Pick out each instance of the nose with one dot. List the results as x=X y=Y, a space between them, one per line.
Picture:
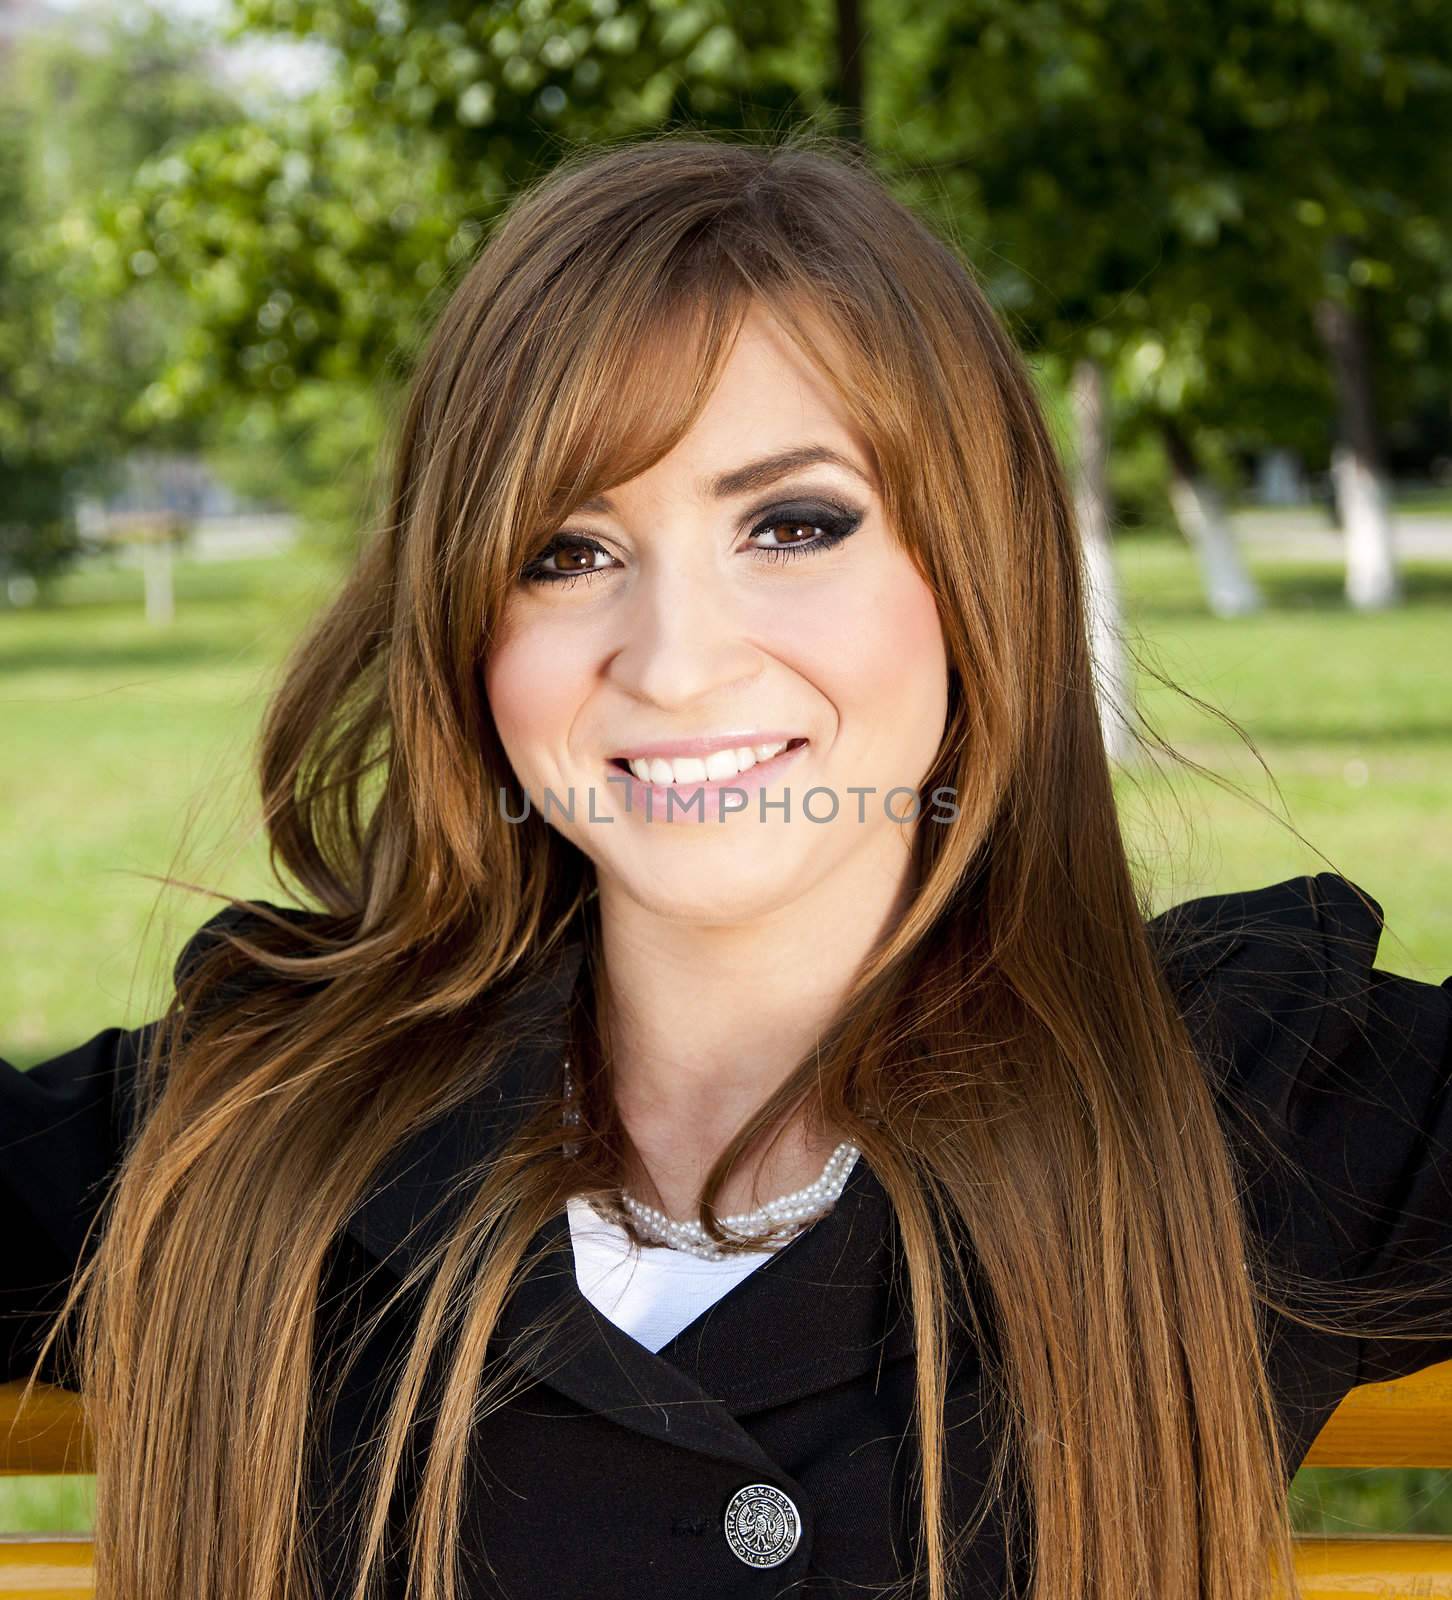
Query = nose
x=682 y=640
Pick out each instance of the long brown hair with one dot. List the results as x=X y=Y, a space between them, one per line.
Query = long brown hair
x=1011 y=1060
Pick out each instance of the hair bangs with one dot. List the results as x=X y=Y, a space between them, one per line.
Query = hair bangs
x=631 y=395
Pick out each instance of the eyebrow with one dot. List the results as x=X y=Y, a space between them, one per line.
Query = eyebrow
x=754 y=475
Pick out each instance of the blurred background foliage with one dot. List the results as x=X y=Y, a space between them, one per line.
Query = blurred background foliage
x=1195 y=196
x=1219 y=229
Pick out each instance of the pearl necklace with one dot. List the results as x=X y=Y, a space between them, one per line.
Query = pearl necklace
x=787 y=1214
x=790 y=1212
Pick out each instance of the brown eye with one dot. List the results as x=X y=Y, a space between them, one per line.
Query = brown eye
x=572 y=558
x=564 y=560
x=791 y=534
x=794 y=529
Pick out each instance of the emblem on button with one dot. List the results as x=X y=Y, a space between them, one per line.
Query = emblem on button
x=762 y=1525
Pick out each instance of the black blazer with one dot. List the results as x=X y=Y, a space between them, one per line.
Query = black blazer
x=620 y=1473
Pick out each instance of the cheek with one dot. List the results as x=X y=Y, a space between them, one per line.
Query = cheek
x=532 y=680
x=905 y=637
x=874 y=645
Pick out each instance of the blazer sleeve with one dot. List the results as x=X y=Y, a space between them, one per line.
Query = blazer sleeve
x=1345 y=1071
x=59 y=1146
x=63 y=1130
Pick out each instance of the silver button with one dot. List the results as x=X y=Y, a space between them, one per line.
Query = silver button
x=762 y=1525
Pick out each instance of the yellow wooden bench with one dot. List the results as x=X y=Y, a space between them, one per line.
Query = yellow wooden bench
x=1403 y=1424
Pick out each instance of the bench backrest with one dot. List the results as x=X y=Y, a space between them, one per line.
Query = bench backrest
x=1407 y=1423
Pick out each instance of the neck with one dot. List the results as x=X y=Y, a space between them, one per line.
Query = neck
x=707 y=1020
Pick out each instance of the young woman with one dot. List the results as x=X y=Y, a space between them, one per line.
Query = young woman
x=697 y=798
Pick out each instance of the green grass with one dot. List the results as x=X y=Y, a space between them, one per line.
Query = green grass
x=121 y=737
x=1352 y=715
x=1426 y=499
x=1408 y=499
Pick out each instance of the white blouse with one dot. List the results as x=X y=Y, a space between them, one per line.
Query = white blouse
x=650 y=1293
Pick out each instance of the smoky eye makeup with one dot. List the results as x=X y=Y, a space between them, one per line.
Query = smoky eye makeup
x=830 y=521
x=825 y=521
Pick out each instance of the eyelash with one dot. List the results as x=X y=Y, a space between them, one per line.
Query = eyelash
x=835 y=522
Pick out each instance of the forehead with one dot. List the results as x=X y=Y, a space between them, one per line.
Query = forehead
x=773 y=408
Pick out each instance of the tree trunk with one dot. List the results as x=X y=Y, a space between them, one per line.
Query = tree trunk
x=1091 y=505
x=156 y=577
x=849 y=70
x=1230 y=591
x=1362 y=497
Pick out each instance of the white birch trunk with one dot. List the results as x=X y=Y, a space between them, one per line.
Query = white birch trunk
x=1111 y=667
x=1364 y=505
x=157 y=578
x=1362 y=502
x=1230 y=591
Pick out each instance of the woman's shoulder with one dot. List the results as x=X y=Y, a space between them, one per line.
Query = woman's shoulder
x=1287 y=968
x=247 y=919
x=1323 y=919
x=1335 y=1063
x=246 y=925
x=1281 y=984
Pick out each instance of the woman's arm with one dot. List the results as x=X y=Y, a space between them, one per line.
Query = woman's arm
x=1343 y=1069
x=61 y=1137
x=64 y=1125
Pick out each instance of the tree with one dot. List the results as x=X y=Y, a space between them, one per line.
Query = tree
x=37 y=537
x=74 y=351
x=316 y=244
x=1108 y=156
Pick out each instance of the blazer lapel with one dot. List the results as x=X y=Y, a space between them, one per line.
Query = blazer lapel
x=820 y=1313
x=550 y=1330
x=825 y=1310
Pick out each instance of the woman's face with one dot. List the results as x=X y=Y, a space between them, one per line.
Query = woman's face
x=701 y=615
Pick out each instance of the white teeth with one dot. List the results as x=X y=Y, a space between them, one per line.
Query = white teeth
x=693 y=769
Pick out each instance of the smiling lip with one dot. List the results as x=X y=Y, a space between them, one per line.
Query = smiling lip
x=652 y=800
x=668 y=749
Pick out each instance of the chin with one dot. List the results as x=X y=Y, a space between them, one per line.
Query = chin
x=731 y=886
